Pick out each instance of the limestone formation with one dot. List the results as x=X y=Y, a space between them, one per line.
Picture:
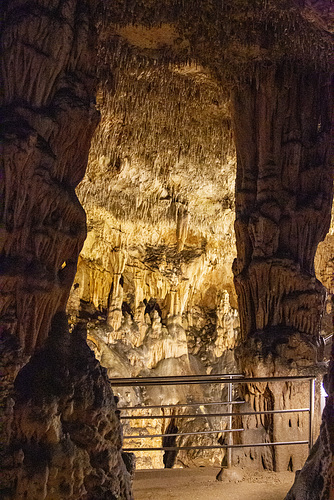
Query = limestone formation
x=51 y=447
x=196 y=99
x=283 y=129
x=67 y=433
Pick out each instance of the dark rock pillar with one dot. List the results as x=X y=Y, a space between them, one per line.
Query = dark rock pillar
x=49 y=116
x=48 y=52
x=282 y=120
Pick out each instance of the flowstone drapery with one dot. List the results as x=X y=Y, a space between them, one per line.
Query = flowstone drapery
x=61 y=436
x=284 y=184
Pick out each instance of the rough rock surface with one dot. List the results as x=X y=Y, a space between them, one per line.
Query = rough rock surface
x=282 y=213
x=152 y=241
x=66 y=436
x=157 y=262
x=48 y=86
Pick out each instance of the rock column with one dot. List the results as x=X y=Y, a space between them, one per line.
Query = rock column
x=58 y=441
x=118 y=259
x=284 y=184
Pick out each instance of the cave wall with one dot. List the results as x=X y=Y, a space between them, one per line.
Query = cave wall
x=61 y=437
x=159 y=232
x=153 y=171
x=283 y=198
x=154 y=280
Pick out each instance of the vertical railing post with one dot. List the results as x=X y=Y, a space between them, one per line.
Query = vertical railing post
x=311 y=413
x=230 y=422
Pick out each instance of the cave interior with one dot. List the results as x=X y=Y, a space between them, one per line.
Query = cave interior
x=166 y=181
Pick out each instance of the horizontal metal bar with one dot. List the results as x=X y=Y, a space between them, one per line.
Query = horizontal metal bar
x=181 y=405
x=197 y=379
x=202 y=415
x=174 y=448
x=182 y=379
x=183 y=434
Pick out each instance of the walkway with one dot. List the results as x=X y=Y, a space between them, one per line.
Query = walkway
x=200 y=484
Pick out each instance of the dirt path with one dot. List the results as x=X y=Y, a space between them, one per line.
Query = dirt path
x=200 y=484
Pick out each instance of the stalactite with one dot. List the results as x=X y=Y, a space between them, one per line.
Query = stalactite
x=181 y=228
x=117 y=262
x=137 y=136
x=283 y=192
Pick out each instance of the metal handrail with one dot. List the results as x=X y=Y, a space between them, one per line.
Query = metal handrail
x=230 y=380
x=199 y=379
x=172 y=380
x=181 y=434
x=201 y=415
x=254 y=445
x=180 y=405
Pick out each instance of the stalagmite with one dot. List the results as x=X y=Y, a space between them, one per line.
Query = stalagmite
x=181 y=228
x=117 y=263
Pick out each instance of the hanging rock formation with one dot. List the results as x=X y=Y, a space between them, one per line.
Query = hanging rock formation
x=151 y=192
x=282 y=130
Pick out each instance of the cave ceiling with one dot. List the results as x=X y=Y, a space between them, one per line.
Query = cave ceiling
x=162 y=165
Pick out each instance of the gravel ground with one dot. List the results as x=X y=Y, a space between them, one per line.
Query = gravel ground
x=201 y=484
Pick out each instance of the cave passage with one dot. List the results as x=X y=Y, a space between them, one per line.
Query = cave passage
x=174 y=162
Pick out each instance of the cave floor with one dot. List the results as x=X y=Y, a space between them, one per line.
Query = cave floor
x=200 y=483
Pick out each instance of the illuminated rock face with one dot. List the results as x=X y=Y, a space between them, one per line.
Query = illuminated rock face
x=164 y=284
x=174 y=316
x=149 y=216
x=155 y=273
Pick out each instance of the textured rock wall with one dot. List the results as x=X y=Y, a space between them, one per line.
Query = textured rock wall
x=159 y=193
x=315 y=479
x=284 y=196
x=283 y=206
x=43 y=105
x=61 y=438
x=154 y=278
x=66 y=435
x=173 y=317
